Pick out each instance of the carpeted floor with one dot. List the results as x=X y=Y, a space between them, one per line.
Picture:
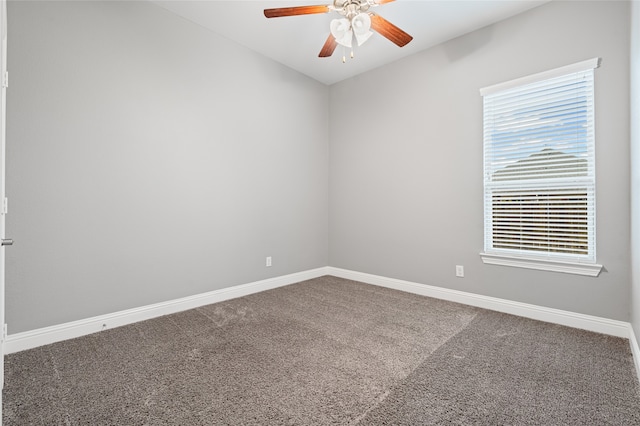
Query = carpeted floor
x=327 y=351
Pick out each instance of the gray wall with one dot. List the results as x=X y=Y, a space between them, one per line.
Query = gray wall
x=635 y=167
x=406 y=159
x=149 y=159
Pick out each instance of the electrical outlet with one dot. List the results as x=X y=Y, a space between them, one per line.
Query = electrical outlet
x=268 y=261
x=459 y=271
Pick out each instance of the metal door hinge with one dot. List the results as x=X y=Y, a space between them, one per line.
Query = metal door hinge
x=5 y=79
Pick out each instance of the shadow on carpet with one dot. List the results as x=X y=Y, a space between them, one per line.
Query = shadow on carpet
x=507 y=370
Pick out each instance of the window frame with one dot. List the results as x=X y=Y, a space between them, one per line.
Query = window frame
x=538 y=259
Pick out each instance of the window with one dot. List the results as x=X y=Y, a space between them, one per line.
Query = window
x=539 y=171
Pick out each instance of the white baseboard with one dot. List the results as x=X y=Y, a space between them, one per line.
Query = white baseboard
x=556 y=316
x=43 y=336
x=30 y=339
x=635 y=350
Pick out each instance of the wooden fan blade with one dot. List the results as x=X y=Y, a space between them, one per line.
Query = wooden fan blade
x=329 y=47
x=293 y=11
x=390 y=31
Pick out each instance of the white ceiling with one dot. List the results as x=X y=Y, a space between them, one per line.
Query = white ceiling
x=296 y=41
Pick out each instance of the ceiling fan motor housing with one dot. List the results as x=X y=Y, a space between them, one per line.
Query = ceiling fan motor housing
x=351 y=8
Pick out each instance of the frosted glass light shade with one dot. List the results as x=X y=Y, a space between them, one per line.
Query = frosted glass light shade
x=361 y=25
x=341 y=31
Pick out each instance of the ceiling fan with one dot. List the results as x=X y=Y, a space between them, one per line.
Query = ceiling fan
x=357 y=22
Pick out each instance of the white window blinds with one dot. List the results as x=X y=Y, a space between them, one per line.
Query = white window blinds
x=539 y=165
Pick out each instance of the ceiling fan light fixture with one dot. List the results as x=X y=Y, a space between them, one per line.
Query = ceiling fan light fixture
x=341 y=31
x=356 y=22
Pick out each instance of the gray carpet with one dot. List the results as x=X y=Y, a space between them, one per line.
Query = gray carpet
x=507 y=370
x=327 y=351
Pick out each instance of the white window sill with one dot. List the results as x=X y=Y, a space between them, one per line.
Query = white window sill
x=589 y=269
